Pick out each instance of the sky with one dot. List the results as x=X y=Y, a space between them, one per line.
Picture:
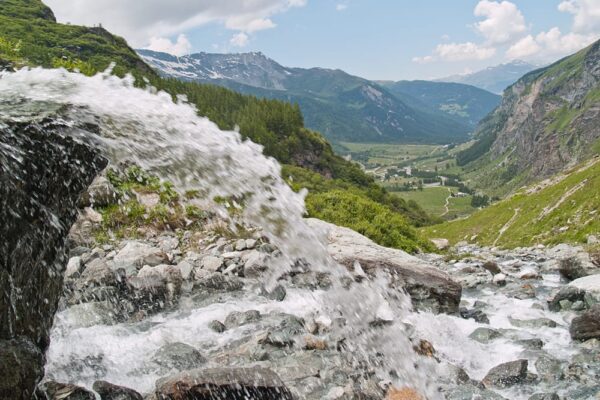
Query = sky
x=374 y=39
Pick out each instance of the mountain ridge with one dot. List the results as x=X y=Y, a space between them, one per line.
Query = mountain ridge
x=341 y=106
x=494 y=79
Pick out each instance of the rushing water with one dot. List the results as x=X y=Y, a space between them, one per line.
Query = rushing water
x=168 y=138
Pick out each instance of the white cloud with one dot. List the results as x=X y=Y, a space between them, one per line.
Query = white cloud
x=139 y=21
x=239 y=39
x=341 y=7
x=503 y=21
x=523 y=48
x=181 y=47
x=463 y=51
x=586 y=14
x=550 y=45
x=445 y=37
x=423 y=60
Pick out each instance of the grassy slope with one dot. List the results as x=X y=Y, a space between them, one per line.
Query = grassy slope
x=578 y=211
x=29 y=35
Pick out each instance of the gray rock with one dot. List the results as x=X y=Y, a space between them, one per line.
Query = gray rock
x=477 y=315
x=428 y=287
x=134 y=255
x=492 y=267
x=255 y=263
x=100 y=193
x=278 y=293
x=179 y=356
x=224 y=383
x=577 y=266
x=570 y=293
x=507 y=374
x=237 y=318
x=485 y=335
x=548 y=368
x=544 y=396
x=587 y=325
x=51 y=390
x=533 y=344
x=219 y=282
x=590 y=287
x=108 y=391
x=533 y=323
x=217 y=326
x=74 y=268
x=211 y=263
x=240 y=245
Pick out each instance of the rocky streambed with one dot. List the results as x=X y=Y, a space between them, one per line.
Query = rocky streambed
x=171 y=314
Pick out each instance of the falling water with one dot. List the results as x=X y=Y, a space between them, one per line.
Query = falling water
x=167 y=138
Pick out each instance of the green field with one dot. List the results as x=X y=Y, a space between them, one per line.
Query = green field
x=433 y=200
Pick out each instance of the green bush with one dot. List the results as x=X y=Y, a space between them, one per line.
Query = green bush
x=368 y=218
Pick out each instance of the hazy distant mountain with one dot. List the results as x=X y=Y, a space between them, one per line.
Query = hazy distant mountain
x=341 y=106
x=494 y=79
x=463 y=103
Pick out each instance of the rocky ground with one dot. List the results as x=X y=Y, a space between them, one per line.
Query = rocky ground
x=196 y=314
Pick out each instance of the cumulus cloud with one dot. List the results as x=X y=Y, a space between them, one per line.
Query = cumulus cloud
x=586 y=15
x=463 y=51
x=239 y=39
x=546 y=46
x=139 y=21
x=503 y=21
x=423 y=60
x=181 y=47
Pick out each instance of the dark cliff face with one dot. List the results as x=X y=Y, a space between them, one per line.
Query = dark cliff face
x=42 y=173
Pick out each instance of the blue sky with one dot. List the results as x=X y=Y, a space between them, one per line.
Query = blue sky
x=375 y=39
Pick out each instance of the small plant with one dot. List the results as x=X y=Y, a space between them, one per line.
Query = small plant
x=75 y=65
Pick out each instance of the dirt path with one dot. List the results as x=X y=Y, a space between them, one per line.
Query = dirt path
x=507 y=225
x=447 y=202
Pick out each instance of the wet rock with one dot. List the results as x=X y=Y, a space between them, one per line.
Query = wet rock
x=185 y=268
x=499 y=279
x=587 y=325
x=100 y=193
x=285 y=333
x=224 y=383
x=590 y=287
x=179 y=356
x=134 y=255
x=91 y=314
x=236 y=318
x=217 y=326
x=21 y=366
x=533 y=323
x=255 y=263
x=220 y=282
x=507 y=374
x=492 y=267
x=485 y=335
x=108 y=391
x=74 y=268
x=533 y=344
x=477 y=315
x=569 y=293
x=577 y=266
x=63 y=391
x=43 y=173
x=544 y=396
x=470 y=392
x=314 y=343
x=424 y=348
x=548 y=368
x=429 y=288
x=278 y=293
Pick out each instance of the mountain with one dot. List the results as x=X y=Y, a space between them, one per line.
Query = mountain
x=549 y=120
x=464 y=103
x=494 y=79
x=562 y=209
x=341 y=106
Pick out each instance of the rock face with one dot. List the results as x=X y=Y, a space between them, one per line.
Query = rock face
x=428 y=287
x=42 y=174
x=587 y=325
x=223 y=383
x=507 y=374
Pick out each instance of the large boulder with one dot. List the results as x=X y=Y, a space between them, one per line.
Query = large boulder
x=590 y=287
x=42 y=173
x=428 y=287
x=587 y=325
x=577 y=266
x=507 y=374
x=223 y=383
